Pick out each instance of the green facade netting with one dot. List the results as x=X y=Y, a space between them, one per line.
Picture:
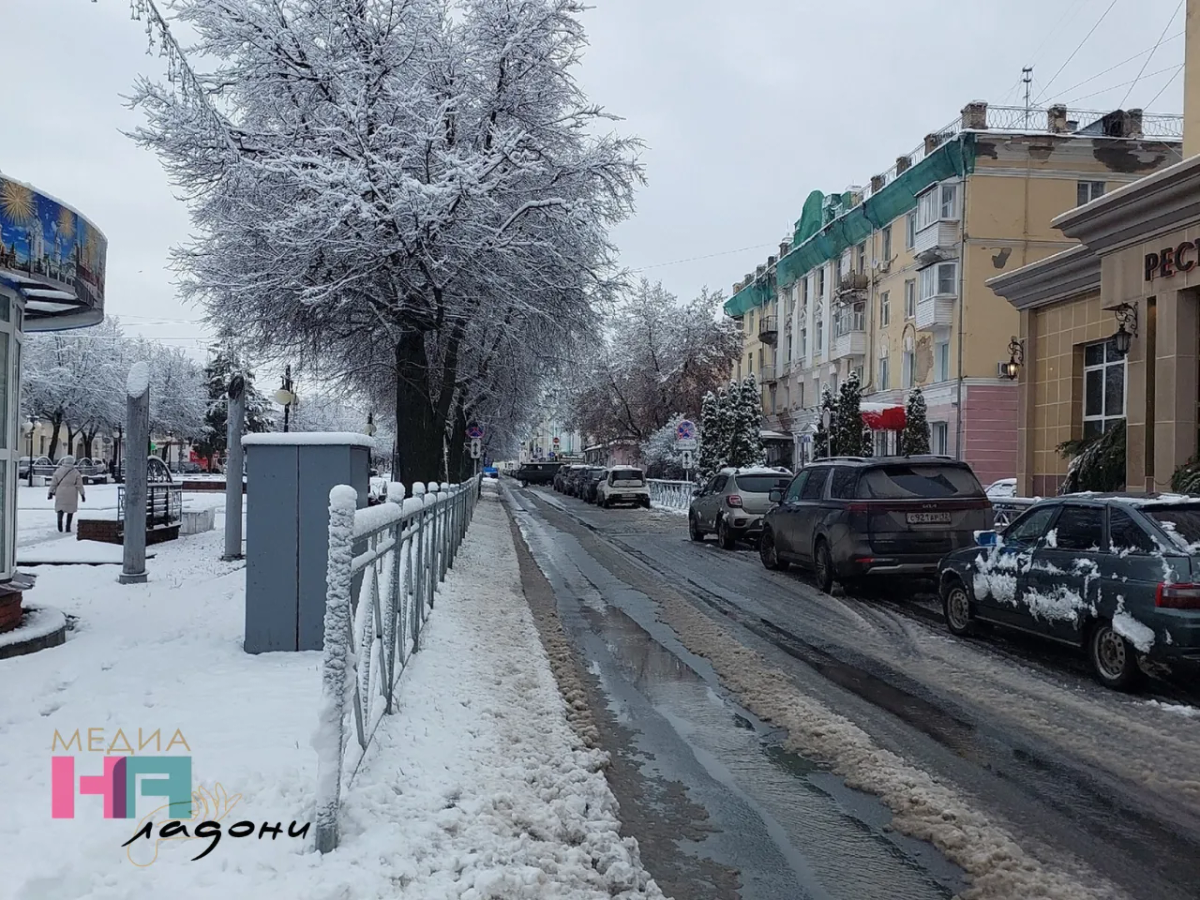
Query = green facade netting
x=814 y=247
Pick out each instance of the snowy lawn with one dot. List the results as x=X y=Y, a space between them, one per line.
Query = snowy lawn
x=477 y=787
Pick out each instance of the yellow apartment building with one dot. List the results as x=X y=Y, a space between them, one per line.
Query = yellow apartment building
x=889 y=280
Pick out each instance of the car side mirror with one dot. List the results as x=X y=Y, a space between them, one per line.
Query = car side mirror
x=776 y=496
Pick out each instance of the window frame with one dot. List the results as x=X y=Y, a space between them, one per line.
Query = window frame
x=1067 y=509
x=885 y=312
x=908 y=366
x=1115 y=511
x=1111 y=360
x=886 y=240
x=1052 y=511
x=910 y=230
x=814 y=473
x=884 y=366
x=1086 y=191
x=931 y=278
x=942 y=429
x=910 y=298
x=941 y=360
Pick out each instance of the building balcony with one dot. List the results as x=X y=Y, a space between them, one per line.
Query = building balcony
x=767 y=375
x=850 y=343
x=768 y=329
x=852 y=285
x=941 y=240
x=936 y=313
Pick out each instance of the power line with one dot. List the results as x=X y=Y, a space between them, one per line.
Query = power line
x=676 y=262
x=1170 y=81
x=1151 y=56
x=1050 y=83
x=1123 y=62
x=1113 y=87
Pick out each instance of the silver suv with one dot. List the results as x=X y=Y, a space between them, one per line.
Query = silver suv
x=733 y=504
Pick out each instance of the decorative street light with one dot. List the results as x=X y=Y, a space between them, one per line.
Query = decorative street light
x=1016 y=359
x=371 y=429
x=1127 y=327
x=30 y=428
x=285 y=397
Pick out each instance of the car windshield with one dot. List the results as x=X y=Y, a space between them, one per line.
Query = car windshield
x=762 y=484
x=1182 y=523
x=904 y=482
x=627 y=475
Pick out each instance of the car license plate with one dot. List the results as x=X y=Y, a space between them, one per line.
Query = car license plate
x=929 y=518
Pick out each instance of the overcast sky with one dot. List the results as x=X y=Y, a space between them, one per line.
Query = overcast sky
x=745 y=108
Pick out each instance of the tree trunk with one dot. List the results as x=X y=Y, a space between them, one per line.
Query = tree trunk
x=460 y=461
x=89 y=439
x=56 y=421
x=418 y=432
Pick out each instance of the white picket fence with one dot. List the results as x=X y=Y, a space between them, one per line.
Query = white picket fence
x=671 y=494
x=385 y=563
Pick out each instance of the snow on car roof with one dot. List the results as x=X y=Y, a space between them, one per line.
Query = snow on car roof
x=1132 y=498
x=754 y=470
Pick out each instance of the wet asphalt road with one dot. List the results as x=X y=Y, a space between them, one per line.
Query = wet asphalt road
x=1110 y=780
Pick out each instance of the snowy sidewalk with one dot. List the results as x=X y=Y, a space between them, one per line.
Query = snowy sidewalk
x=477 y=786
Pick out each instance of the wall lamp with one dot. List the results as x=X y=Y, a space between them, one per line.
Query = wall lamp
x=1127 y=326
x=1016 y=359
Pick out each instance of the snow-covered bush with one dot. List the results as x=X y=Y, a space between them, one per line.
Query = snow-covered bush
x=914 y=439
x=1097 y=463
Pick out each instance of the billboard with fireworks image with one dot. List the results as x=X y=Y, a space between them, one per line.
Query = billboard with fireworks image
x=44 y=240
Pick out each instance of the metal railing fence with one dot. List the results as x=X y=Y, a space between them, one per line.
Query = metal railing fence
x=385 y=564
x=671 y=494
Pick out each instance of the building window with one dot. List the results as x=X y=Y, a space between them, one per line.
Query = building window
x=760 y=358
x=800 y=398
x=1103 y=388
x=821 y=282
x=804 y=292
x=887 y=244
x=749 y=363
x=858 y=373
x=907 y=361
x=940 y=439
x=787 y=359
x=885 y=310
x=771 y=394
x=1087 y=191
x=750 y=319
x=939 y=281
x=910 y=230
x=910 y=299
x=862 y=258
x=858 y=317
x=941 y=360
x=819 y=347
x=937 y=205
x=883 y=373
x=803 y=343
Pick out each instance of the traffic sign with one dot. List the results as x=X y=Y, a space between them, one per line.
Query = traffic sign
x=685 y=431
x=687 y=459
x=475 y=432
x=476 y=448
x=556 y=441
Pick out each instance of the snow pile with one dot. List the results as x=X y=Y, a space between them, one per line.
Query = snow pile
x=1176 y=709
x=996 y=574
x=1138 y=634
x=475 y=788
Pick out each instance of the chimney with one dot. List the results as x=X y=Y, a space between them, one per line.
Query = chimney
x=758 y=272
x=974 y=116
x=747 y=278
x=1056 y=119
x=932 y=142
x=903 y=164
x=770 y=261
x=737 y=286
x=785 y=247
x=1133 y=123
x=877 y=183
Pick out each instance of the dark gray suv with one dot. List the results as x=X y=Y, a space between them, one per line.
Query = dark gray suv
x=854 y=519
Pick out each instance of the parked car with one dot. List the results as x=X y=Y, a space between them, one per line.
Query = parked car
x=591 y=480
x=564 y=474
x=537 y=473
x=1002 y=489
x=857 y=520
x=491 y=473
x=1118 y=575
x=733 y=504
x=623 y=484
x=23 y=465
x=575 y=481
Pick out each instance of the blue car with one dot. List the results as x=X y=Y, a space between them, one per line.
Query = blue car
x=1117 y=575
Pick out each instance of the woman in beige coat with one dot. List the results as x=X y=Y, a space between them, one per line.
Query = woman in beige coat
x=66 y=489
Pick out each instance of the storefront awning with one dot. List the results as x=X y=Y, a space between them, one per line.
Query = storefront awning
x=883 y=417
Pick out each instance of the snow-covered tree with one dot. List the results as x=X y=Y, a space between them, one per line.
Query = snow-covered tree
x=221 y=368
x=660 y=454
x=658 y=356
x=745 y=443
x=822 y=443
x=847 y=429
x=709 y=459
x=384 y=185
x=914 y=439
x=1097 y=463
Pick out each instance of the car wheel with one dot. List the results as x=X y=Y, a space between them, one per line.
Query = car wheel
x=725 y=540
x=1114 y=660
x=956 y=605
x=694 y=531
x=769 y=555
x=823 y=566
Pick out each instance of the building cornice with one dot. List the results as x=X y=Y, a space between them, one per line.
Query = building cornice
x=1164 y=201
x=1067 y=274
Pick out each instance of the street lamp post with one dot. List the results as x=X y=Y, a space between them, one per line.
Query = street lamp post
x=285 y=396
x=31 y=427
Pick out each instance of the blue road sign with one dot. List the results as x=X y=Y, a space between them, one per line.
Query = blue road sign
x=685 y=431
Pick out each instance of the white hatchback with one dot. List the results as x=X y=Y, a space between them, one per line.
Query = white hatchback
x=624 y=484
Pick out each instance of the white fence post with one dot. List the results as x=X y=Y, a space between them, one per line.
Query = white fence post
x=337 y=676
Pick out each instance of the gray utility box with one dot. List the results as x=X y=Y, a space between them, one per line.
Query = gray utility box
x=288 y=479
